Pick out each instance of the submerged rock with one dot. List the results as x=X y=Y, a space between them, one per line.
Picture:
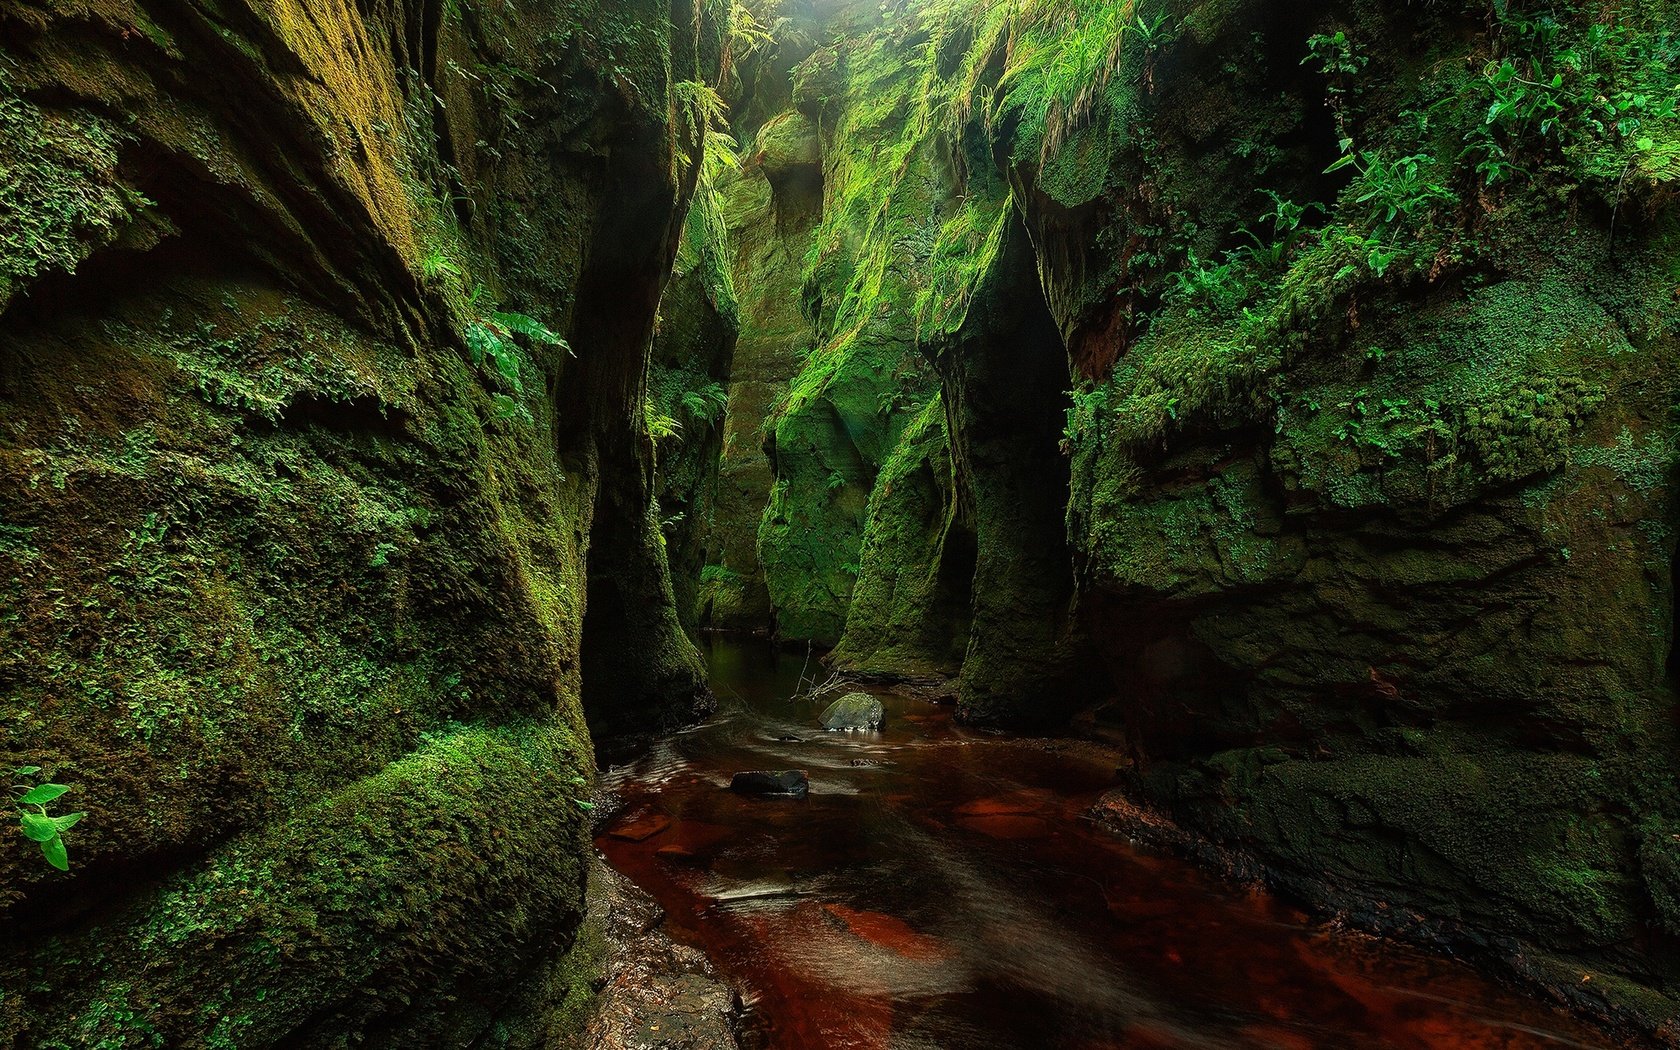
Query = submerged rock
x=639 y=827
x=789 y=783
x=854 y=711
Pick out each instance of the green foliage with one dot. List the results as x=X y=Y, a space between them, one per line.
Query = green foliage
x=747 y=32
x=1405 y=190
x=437 y=265
x=1085 y=412
x=1341 y=61
x=491 y=341
x=702 y=123
x=706 y=405
x=60 y=198
x=1203 y=288
x=37 y=824
x=1595 y=92
x=660 y=426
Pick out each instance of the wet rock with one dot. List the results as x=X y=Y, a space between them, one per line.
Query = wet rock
x=676 y=855
x=789 y=783
x=655 y=994
x=640 y=826
x=854 y=711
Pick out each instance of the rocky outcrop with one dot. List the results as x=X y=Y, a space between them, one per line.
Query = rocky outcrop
x=859 y=380
x=323 y=333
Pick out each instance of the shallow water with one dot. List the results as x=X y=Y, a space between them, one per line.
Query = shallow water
x=939 y=889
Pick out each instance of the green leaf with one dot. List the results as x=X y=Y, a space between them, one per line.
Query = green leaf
x=527 y=326
x=581 y=804
x=36 y=827
x=56 y=854
x=41 y=795
x=68 y=821
x=27 y=771
x=1644 y=144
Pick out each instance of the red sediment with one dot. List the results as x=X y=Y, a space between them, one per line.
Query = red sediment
x=893 y=934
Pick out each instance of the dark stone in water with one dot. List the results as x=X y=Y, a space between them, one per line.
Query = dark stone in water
x=854 y=711
x=789 y=783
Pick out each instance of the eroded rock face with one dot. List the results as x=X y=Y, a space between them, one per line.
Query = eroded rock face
x=1360 y=528
x=656 y=994
x=296 y=494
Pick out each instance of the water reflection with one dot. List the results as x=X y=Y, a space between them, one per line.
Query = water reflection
x=939 y=889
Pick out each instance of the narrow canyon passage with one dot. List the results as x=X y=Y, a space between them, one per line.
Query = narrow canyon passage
x=1255 y=424
x=941 y=888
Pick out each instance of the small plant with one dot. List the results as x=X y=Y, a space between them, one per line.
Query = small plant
x=1341 y=62
x=1403 y=188
x=706 y=405
x=660 y=427
x=490 y=341
x=37 y=823
x=747 y=36
x=1286 y=219
x=583 y=804
x=1206 y=282
x=436 y=265
x=1085 y=412
x=1588 y=90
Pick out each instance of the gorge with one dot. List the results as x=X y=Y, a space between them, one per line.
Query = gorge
x=399 y=399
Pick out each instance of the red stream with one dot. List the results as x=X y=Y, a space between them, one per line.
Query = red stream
x=940 y=889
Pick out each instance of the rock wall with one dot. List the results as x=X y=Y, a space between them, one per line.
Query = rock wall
x=298 y=485
x=1357 y=520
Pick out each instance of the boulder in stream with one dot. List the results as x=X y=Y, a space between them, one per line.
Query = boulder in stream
x=788 y=783
x=854 y=711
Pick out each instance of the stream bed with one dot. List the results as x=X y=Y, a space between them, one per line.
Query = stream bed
x=940 y=888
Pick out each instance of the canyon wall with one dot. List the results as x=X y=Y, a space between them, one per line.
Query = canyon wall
x=1295 y=404
x=324 y=337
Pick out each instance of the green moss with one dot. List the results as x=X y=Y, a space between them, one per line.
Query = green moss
x=285 y=596
x=446 y=860
x=61 y=198
x=910 y=607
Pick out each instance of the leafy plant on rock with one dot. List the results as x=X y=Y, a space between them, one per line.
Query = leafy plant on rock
x=490 y=341
x=39 y=825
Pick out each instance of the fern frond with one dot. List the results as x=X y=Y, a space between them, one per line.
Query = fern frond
x=529 y=327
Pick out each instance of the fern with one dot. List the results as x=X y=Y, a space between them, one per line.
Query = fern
x=747 y=36
x=529 y=327
x=699 y=110
x=660 y=426
x=490 y=342
x=708 y=404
